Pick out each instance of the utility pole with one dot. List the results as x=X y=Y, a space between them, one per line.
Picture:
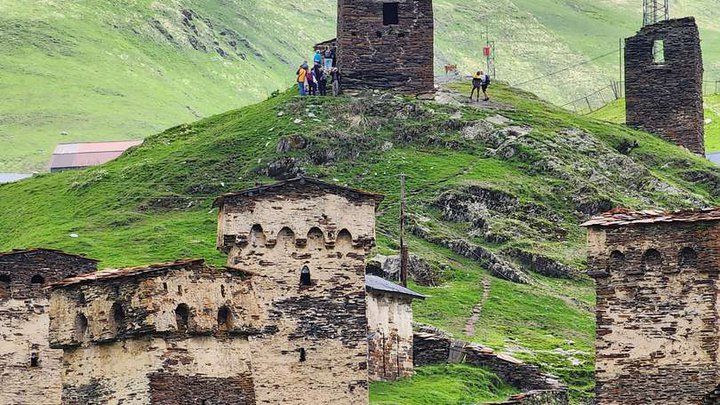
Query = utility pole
x=403 y=248
x=655 y=11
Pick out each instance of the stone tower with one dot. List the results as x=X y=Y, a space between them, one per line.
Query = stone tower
x=386 y=44
x=29 y=370
x=657 y=309
x=663 y=82
x=170 y=334
x=305 y=241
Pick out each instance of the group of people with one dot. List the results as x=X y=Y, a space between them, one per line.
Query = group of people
x=480 y=81
x=313 y=81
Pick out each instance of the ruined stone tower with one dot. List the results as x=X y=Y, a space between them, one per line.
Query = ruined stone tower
x=305 y=241
x=386 y=44
x=29 y=370
x=657 y=309
x=171 y=334
x=663 y=82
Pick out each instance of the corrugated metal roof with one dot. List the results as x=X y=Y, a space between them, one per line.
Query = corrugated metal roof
x=300 y=181
x=85 y=154
x=621 y=217
x=35 y=250
x=110 y=274
x=13 y=177
x=376 y=283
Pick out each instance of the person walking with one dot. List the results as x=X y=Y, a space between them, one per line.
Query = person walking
x=480 y=82
x=329 y=57
x=335 y=77
x=302 y=78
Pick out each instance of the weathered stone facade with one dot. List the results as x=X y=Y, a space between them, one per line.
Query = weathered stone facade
x=390 y=330
x=306 y=242
x=29 y=369
x=168 y=334
x=386 y=44
x=664 y=92
x=657 y=310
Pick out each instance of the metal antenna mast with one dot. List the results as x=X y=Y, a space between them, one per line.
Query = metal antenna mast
x=655 y=11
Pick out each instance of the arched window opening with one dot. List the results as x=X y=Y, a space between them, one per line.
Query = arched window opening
x=617 y=260
x=344 y=240
x=303 y=354
x=315 y=239
x=687 y=257
x=286 y=238
x=182 y=318
x=257 y=236
x=224 y=319
x=37 y=279
x=81 y=327
x=305 y=280
x=34 y=359
x=118 y=317
x=651 y=260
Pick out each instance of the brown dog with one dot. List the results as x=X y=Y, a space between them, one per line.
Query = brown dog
x=450 y=68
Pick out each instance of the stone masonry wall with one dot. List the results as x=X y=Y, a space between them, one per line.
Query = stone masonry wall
x=24 y=325
x=377 y=56
x=149 y=354
x=313 y=348
x=657 y=320
x=390 y=336
x=666 y=99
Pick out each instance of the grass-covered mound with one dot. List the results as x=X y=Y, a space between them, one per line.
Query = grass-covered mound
x=488 y=188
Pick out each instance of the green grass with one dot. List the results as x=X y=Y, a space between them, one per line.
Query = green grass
x=101 y=70
x=154 y=202
x=442 y=385
x=615 y=112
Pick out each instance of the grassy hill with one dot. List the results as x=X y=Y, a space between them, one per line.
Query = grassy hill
x=489 y=187
x=615 y=112
x=102 y=70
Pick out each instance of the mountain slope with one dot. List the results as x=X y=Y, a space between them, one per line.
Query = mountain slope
x=101 y=70
x=493 y=191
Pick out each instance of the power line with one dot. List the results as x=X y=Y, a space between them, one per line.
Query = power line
x=557 y=72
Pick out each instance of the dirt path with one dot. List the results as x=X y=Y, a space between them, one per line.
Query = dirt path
x=470 y=324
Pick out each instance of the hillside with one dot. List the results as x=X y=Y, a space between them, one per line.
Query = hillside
x=495 y=198
x=103 y=70
x=615 y=112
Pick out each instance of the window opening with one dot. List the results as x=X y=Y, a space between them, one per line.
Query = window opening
x=659 y=52
x=224 y=319
x=303 y=354
x=687 y=257
x=118 y=316
x=182 y=316
x=81 y=326
x=305 y=276
x=222 y=291
x=391 y=13
x=34 y=359
x=37 y=279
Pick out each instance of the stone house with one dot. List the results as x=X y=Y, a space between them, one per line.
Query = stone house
x=390 y=329
x=657 y=309
x=29 y=369
x=173 y=334
x=663 y=82
x=386 y=44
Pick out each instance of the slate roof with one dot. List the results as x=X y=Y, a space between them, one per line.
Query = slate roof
x=621 y=217
x=299 y=183
x=85 y=154
x=40 y=250
x=375 y=283
x=126 y=272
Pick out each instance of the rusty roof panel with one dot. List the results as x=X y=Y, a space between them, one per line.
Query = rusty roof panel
x=78 y=155
x=622 y=217
x=111 y=274
x=94 y=147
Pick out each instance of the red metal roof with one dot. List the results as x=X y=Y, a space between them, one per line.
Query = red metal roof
x=126 y=272
x=35 y=250
x=621 y=217
x=85 y=154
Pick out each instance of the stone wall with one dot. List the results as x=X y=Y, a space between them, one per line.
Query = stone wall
x=377 y=56
x=390 y=336
x=657 y=321
x=24 y=324
x=666 y=98
x=126 y=338
x=313 y=348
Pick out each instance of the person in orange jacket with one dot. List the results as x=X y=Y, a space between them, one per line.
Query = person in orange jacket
x=302 y=74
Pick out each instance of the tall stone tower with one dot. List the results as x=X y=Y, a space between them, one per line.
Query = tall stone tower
x=167 y=334
x=305 y=241
x=386 y=44
x=657 y=308
x=663 y=82
x=29 y=369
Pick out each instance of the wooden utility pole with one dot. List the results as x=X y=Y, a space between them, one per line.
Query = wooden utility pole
x=403 y=248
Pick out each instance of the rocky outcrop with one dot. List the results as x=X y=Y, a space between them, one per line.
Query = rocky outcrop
x=388 y=267
x=541 y=264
